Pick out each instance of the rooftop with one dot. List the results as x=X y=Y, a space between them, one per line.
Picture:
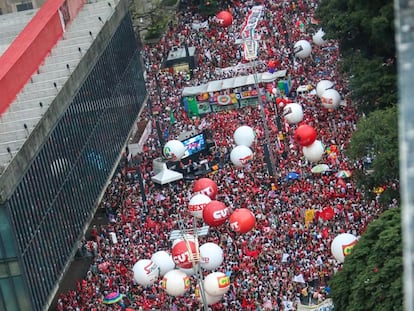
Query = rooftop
x=27 y=110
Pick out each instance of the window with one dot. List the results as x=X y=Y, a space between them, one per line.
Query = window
x=24 y=6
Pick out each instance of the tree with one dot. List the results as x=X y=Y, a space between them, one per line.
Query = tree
x=366 y=25
x=371 y=278
x=376 y=138
x=365 y=32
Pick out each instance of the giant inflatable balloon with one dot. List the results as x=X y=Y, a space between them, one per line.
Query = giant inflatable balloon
x=314 y=152
x=322 y=86
x=184 y=254
x=189 y=271
x=305 y=135
x=244 y=135
x=293 y=113
x=224 y=18
x=216 y=283
x=331 y=99
x=197 y=204
x=146 y=272
x=205 y=186
x=215 y=213
x=317 y=38
x=210 y=300
x=188 y=237
x=302 y=49
x=241 y=155
x=175 y=282
x=164 y=261
x=211 y=256
x=174 y=150
x=242 y=220
x=342 y=245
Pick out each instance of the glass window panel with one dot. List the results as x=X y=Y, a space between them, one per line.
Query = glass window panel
x=6 y=236
x=8 y=295
x=20 y=288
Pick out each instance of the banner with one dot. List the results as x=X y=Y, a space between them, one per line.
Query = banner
x=251 y=21
x=326 y=305
x=197 y=25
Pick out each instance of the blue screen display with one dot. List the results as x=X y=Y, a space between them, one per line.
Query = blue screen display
x=194 y=145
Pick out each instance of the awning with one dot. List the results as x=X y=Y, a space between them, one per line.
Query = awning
x=225 y=84
x=194 y=90
x=214 y=86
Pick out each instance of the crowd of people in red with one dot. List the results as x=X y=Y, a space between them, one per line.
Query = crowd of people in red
x=282 y=260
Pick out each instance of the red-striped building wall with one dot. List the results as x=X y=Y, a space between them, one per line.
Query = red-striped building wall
x=32 y=45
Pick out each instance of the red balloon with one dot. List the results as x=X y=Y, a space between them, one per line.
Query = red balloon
x=215 y=213
x=224 y=18
x=305 y=135
x=206 y=186
x=242 y=220
x=181 y=254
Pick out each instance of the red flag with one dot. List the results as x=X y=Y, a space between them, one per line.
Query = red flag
x=327 y=213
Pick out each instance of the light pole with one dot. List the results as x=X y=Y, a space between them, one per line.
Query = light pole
x=250 y=47
x=157 y=123
x=183 y=233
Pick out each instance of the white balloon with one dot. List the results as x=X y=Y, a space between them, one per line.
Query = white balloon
x=314 y=152
x=331 y=99
x=302 y=49
x=164 y=261
x=211 y=256
x=146 y=272
x=210 y=300
x=216 y=284
x=189 y=271
x=322 y=86
x=317 y=38
x=244 y=135
x=342 y=245
x=175 y=282
x=241 y=155
x=197 y=204
x=293 y=113
x=173 y=150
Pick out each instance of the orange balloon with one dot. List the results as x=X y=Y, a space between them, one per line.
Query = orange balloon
x=205 y=186
x=224 y=18
x=215 y=213
x=242 y=220
x=182 y=255
x=305 y=135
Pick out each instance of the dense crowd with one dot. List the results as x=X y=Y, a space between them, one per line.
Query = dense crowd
x=282 y=261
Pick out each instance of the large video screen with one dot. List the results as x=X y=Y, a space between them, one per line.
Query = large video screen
x=194 y=145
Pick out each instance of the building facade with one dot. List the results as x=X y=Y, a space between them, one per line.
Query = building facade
x=11 y=6
x=44 y=217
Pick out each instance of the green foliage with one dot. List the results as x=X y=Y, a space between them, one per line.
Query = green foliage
x=367 y=25
x=377 y=136
x=168 y=2
x=365 y=32
x=209 y=7
x=371 y=278
x=157 y=28
x=373 y=83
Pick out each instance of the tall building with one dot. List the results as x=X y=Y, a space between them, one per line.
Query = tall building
x=404 y=13
x=11 y=6
x=62 y=130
